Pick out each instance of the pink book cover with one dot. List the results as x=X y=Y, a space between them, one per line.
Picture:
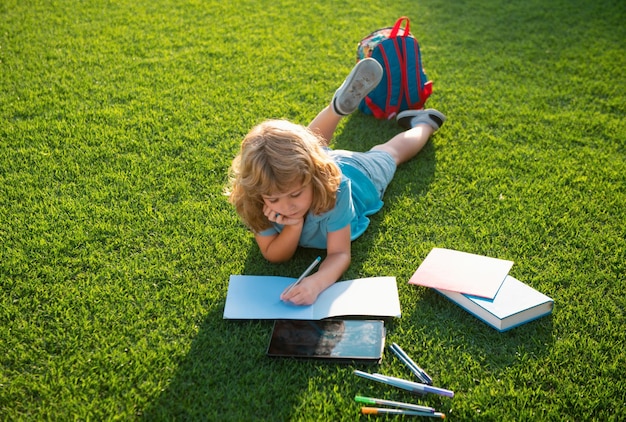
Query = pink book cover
x=462 y=272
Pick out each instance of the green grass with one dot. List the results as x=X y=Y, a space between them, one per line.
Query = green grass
x=119 y=119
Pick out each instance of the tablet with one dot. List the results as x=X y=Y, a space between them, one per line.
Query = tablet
x=329 y=339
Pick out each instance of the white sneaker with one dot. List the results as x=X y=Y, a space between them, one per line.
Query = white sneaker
x=363 y=78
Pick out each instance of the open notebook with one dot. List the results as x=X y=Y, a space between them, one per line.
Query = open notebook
x=258 y=297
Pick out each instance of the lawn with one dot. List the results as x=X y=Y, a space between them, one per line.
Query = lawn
x=118 y=123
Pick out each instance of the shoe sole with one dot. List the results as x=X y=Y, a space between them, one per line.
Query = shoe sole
x=438 y=118
x=361 y=81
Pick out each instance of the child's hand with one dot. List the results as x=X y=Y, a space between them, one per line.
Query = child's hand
x=277 y=217
x=304 y=293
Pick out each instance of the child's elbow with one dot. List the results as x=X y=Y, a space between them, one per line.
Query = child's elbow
x=277 y=258
x=347 y=260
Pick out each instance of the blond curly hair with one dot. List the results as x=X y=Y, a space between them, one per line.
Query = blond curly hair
x=275 y=156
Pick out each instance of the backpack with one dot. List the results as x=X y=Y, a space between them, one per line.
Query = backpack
x=404 y=84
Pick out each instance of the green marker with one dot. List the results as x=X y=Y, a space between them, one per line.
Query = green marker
x=370 y=400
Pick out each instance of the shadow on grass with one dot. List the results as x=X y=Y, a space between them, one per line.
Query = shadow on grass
x=226 y=370
x=226 y=374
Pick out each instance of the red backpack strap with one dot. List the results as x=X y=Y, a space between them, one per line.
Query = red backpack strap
x=427 y=89
x=398 y=25
x=404 y=84
x=404 y=92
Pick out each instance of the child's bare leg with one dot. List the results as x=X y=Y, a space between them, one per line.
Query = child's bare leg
x=325 y=123
x=406 y=145
x=421 y=124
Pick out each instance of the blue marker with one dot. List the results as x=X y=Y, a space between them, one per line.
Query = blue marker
x=419 y=372
x=414 y=387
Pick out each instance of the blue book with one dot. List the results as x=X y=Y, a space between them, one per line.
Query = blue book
x=514 y=304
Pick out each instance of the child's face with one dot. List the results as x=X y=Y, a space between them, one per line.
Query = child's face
x=295 y=203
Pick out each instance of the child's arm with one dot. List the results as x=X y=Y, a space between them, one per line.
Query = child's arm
x=336 y=263
x=281 y=246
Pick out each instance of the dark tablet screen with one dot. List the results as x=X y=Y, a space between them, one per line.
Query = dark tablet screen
x=333 y=339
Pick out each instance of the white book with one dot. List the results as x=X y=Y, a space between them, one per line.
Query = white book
x=514 y=304
x=258 y=297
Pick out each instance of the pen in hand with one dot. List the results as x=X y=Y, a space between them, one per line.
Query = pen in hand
x=304 y=274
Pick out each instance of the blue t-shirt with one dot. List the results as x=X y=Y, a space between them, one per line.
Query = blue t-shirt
x=357 y=198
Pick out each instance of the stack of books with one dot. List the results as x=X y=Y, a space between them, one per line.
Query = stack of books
x=482 y=286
